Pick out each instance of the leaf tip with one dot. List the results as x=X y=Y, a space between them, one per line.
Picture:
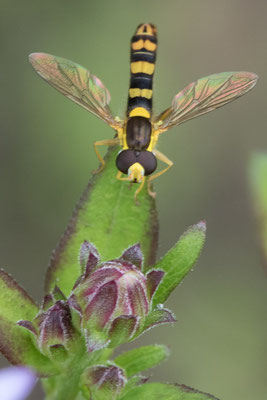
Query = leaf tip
x=202 y=226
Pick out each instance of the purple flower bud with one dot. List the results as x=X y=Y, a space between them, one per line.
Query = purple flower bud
x=52 y=329
x=106 y=381
x=55 y=327
x=111 y=301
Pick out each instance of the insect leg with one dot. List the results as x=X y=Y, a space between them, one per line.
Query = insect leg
x=139 y=190
x=164 y=159
x=108 y=142
x=118 y=176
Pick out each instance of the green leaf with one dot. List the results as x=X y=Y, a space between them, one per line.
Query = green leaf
x=141 y=359
x=16 y=345
x=179 y=260
x=258 y=183
x=132 y=383
x=15 y=303
x=156 y=391
x=108 y=217
x=158 y=316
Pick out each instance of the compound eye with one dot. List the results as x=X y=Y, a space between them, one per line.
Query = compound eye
x=125 y=159
x=148 y=161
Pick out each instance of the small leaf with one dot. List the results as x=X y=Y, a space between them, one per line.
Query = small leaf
x=157 y=317
x=16 y=345
x=162 y=391
x=141 y=359
x=179 y=260
x=15 y=303
x=108 y=217
x=132 y=382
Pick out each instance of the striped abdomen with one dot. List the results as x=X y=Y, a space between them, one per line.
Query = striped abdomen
x=143 y=57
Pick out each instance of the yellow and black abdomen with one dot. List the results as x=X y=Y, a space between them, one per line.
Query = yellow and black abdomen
x=143 y=58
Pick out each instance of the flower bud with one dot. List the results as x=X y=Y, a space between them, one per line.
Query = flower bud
x=113 y=299
x=105 y=382
x=53 y=329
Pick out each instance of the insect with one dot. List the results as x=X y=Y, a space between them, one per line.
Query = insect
x=138 y=132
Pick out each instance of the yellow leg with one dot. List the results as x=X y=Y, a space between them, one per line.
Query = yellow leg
x=164 y=159
x=139 y=190
x=118 y=176
x=108 y=142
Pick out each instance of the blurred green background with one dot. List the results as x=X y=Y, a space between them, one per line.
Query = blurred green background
x=219 y=342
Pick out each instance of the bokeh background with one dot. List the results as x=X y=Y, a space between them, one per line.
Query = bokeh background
x=46 y=159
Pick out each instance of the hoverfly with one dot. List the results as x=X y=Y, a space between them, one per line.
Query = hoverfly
x=138 y=132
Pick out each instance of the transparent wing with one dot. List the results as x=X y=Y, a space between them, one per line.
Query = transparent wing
x=76 y=83
x=204 y=95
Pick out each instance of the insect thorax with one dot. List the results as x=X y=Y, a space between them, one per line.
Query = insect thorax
x=138 y=133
